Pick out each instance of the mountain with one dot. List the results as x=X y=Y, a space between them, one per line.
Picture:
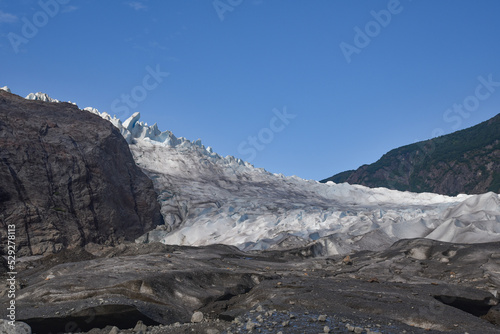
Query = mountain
x=396 y=283
x=67 y=178
x=466 y=161
x=206 y=199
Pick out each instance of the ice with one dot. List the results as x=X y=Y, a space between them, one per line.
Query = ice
x=206 y=199
x=40 y=97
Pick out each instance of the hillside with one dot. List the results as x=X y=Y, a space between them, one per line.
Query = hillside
x=465 y=161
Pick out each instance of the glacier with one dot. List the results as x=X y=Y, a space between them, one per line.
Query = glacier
x=206 y=199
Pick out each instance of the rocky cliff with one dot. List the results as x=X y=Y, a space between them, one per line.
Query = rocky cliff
x=465 y=161
x=67 y=178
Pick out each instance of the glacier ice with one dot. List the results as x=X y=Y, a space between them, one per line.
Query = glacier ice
x=40 y=97
x=206 y=199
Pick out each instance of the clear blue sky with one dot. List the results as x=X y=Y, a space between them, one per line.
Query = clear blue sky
x=360 y=77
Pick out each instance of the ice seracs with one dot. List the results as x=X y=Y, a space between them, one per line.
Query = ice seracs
x=40 y=97
x=136 y=133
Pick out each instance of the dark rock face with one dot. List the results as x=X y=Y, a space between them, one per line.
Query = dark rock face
x=67 y=178
x=465 y=161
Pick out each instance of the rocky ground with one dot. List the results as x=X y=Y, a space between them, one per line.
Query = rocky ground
x=416 y=286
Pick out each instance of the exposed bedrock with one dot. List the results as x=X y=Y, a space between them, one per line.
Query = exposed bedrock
x=67 y=178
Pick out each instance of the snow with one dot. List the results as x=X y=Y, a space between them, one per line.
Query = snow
x=5 y=88
x=40 y=97
x=206 y=198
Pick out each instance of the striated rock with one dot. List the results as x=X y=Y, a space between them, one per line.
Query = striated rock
x=150 y=287
x=67 y=178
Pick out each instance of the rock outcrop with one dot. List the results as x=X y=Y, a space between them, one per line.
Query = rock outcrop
x=67 y=178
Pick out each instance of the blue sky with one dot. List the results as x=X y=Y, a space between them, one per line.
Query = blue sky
x=307 y=88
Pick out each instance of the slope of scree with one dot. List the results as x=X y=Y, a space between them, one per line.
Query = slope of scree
x=67 y=178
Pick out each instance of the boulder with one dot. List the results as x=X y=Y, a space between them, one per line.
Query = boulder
x=19 y=328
